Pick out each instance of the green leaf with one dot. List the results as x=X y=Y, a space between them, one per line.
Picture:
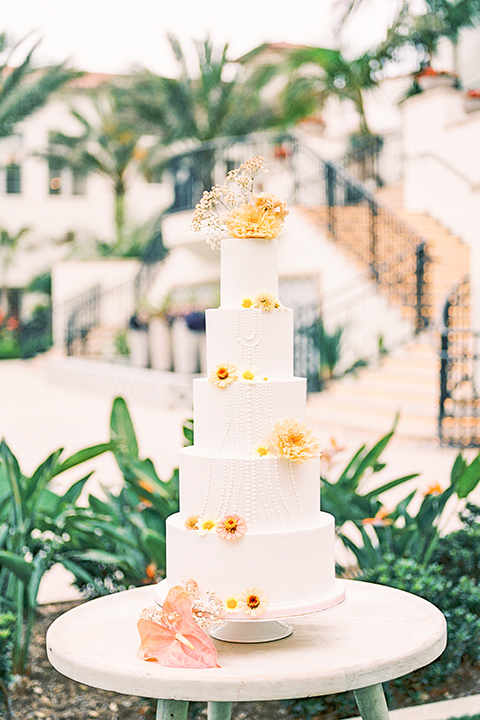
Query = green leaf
x=83 y=456
x=17 y=565
x=155 y=546
x=388 y=486
x=122 y=432
x=469 y=479
x=458 y=469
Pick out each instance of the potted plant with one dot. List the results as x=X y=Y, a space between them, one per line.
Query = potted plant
x=159 y=336
x=138 y=339
x=471 y=100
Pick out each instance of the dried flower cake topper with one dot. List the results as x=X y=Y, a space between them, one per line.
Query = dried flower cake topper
x=234 y=209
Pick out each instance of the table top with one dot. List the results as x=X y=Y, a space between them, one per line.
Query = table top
x=378 y=633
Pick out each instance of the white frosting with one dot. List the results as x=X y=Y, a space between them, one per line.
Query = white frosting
x=248 y=267
x=294 y=568
x=251 y=338
x=288 y=548
x=268 y=492
x=239 y=417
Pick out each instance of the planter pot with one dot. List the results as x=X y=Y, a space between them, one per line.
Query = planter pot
x=184 y=348
x=471 y=104
x=433 y=81
x=160 y=344
x=138 y=344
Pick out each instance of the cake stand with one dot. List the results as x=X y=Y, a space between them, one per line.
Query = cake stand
x=270 y=626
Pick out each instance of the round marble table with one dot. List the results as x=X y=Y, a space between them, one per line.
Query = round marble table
x=377 y=634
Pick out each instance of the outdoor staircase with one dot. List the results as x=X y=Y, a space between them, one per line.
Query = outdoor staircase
x=403 y=383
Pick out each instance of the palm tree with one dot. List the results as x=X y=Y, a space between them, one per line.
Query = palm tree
x=206 y=101
x=420 y=32
x=9 y=245
x=108 y=145
x=24 y=88
x=317 y=74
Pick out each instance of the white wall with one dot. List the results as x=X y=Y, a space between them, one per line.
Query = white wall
x=442 y=168
x=52 y=216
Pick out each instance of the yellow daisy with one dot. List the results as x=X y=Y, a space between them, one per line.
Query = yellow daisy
x=253 y=601
x=266 y=302
x=223 y=375
x=231 y=604
x=206 y=524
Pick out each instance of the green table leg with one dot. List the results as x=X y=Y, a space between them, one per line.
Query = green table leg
x=371 y=703
x=219 y=710
x=172 y=710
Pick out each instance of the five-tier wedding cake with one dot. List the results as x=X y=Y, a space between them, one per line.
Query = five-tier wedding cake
x=250 y=531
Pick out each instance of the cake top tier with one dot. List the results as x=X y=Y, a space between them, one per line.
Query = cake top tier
x=234 y=210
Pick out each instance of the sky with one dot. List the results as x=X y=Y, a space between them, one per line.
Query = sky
x=113 y=36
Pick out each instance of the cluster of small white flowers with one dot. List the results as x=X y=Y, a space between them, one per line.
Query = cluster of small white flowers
x=205 y=612
x=160 y=617
x=237 y=189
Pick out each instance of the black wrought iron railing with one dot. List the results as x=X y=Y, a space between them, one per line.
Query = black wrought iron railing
x=459 y=402
x=109 y=308
x=369 y=232
x=375 y=160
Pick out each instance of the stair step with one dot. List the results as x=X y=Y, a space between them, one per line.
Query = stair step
x=420 y=406
x=373 y=419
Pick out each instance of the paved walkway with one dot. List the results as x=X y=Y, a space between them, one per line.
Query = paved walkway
x=37 y=416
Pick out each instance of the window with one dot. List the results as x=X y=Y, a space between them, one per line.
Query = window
x=79 y=183
x=54 y=177
x=13 y=179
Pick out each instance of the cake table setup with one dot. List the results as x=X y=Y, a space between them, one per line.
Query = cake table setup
x=250 y=608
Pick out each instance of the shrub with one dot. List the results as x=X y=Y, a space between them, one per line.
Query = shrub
x=7 y=621
x=459 y=551
x=118 y=541
x=459 y=601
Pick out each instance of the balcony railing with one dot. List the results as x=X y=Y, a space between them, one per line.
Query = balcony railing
x=459 y=405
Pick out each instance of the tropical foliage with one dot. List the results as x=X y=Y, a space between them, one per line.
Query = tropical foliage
x=109 y=143
x=205 y=100
x=118 y=541
x=25 y=88
x=410 y=528
x=32 y=521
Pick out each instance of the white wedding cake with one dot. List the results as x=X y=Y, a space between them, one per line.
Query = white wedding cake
x=250 y=530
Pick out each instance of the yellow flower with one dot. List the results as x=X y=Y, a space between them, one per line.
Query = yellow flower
x=295 y=441
x=224 y=374
x=206 y=524
x=191 y=523
x=231 y=604
x=247 y=302
x=253 y=602
x=268 y=203
x=248 y=373
x=265 y=301
x=251 y=220
x=262 y=450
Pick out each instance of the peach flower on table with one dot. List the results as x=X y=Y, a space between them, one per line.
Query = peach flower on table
x=172 y=637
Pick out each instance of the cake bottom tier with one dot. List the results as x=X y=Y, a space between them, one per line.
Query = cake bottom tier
x=295 y=569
